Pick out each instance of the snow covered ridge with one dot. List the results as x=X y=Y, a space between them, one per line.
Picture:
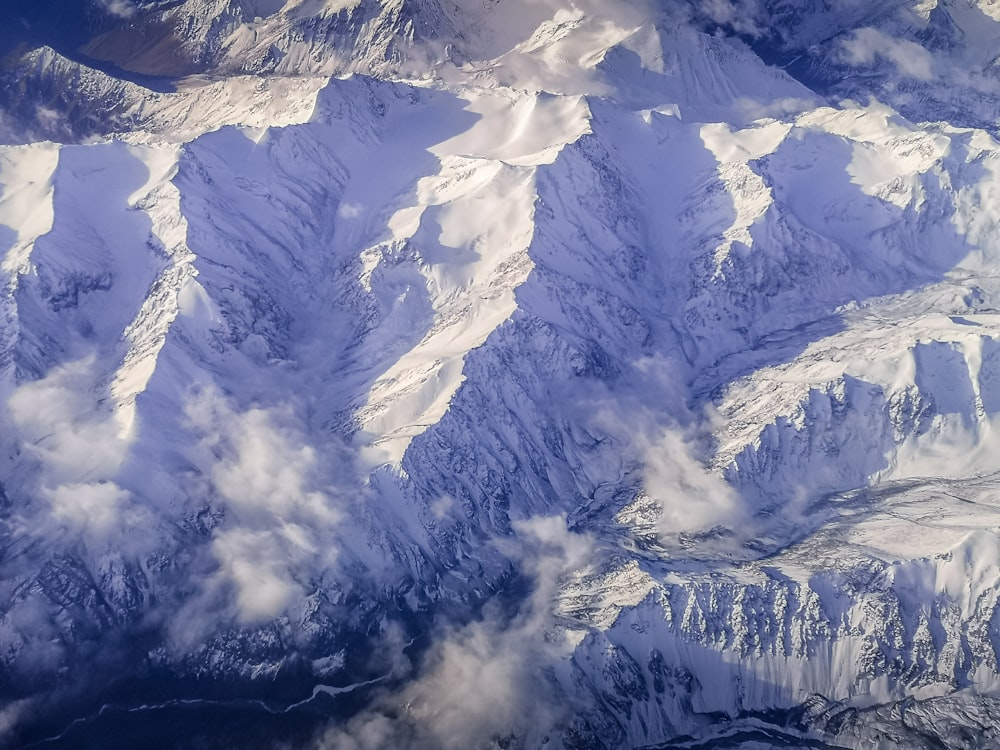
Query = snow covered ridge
x=521 y=374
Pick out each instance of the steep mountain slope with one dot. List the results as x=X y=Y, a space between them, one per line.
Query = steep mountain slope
x=550 y=376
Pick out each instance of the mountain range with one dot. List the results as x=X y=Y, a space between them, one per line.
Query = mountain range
x=525 y=374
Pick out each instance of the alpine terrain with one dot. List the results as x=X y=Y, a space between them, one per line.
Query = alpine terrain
x=564 y=374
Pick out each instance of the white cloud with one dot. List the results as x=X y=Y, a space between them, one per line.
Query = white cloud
x=743 y=16
x=10 y=714
x=93 y=506
x=350 y=210
x=909 y=58
x=280 y=513
x=490 y=679
x=78 y=447
x=257 y=563
x=691 y=497
x=781 y=108
x=118 y=8
x=642 y=427
x=62 y=424
x=441 y=507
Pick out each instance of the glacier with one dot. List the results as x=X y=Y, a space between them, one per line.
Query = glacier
x=418 y=373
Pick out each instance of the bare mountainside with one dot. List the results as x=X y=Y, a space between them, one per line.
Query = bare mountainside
x=538 y=374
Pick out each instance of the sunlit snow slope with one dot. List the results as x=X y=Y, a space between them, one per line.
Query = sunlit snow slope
x=426 y=374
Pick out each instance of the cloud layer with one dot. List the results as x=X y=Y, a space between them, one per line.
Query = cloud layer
x=494 y=678
x=866 y=45
x=75 y=446
x=276 y=541
x=118 y=8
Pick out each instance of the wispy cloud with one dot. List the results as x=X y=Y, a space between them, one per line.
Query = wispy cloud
x=742 y=16
x=118 y=8
x=910 y=59
x=491 y=679
x=350 y=210
x=75 y=447
x=691 y=497
x=642 y=427
x=276 y=539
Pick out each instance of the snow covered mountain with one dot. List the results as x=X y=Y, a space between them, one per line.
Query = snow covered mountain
x=449 y=374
